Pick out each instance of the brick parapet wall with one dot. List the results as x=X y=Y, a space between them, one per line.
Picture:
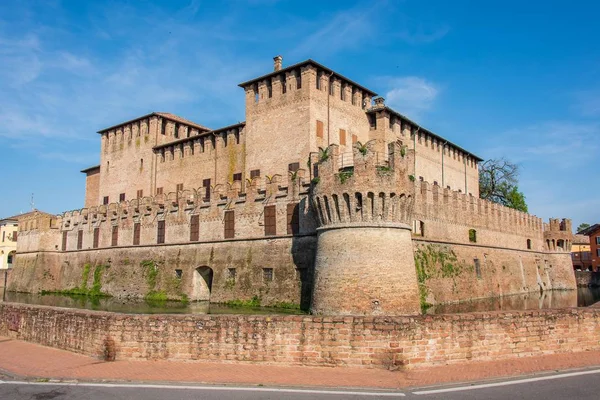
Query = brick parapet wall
x=371 y=342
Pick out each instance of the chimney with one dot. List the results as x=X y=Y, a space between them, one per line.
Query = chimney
x=277 y=60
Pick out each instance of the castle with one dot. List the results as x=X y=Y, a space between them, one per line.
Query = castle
x=324 y=197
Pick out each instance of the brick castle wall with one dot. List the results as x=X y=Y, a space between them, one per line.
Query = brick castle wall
x=371 y=342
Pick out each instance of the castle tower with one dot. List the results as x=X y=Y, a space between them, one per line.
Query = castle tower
x=364 y=262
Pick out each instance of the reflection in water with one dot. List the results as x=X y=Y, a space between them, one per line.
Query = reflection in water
x=582 y=297
x=113 y=304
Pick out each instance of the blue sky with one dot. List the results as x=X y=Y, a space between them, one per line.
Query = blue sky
x=504 y=78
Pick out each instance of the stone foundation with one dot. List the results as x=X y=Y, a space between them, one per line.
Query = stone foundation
x=371 y=342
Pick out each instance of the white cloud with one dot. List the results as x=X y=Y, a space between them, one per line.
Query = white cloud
x=410 y=95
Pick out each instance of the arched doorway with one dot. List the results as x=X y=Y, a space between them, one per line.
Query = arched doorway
x=203 y=277
x=10 y=260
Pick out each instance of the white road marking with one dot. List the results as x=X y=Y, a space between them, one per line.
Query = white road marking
x=221 y=388
x=507 y=383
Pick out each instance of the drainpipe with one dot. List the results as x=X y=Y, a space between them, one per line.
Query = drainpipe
x=328 y=96
x=443 y=151
x=465 y=162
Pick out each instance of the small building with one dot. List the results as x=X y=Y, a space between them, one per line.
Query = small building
x=581 y=253
x=8 y=241
x=593 y=233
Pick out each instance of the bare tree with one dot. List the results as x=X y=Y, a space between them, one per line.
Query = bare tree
x=498 y=182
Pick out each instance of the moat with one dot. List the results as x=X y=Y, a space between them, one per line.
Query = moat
x=582 y=297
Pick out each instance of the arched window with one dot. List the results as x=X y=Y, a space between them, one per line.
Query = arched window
x=472 y=236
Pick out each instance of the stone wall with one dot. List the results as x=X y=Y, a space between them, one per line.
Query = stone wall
x=371 y=342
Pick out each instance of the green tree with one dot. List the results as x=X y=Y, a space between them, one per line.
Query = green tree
x=498 y=182
x=582 y=226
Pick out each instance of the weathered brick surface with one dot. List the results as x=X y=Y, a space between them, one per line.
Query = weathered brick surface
x=372 y=342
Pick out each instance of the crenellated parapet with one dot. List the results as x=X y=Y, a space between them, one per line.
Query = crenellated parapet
x=454 y=207
x=370 y=189
x=248 y=199
x=558 y=235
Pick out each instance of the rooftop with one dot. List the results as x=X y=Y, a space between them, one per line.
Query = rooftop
x=207 y=133
x=16 y=217
x=590 y=230
x=169 y=116
x=302 y=64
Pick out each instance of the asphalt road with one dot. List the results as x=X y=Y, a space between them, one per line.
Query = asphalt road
x=572 y=385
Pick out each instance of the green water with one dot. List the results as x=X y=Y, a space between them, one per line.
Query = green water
x=128 y=306
x=582 y=297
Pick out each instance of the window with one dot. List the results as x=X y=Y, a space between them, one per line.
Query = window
x=418 y=228
x=283 y=79
x=293 y=167
x=354 y=139
x=472 y=236
x=136 y=233
x=79 y=239
x=331 y=87
x=477 y=268
x=255 y=173
x=178 y=273
x=9 y=258
x=293 y=222
x=14 y=236
x=105 y=200
x=206 y=185
x=176 y=130
x=270 y=220
x=372 y=121
x=597 y=239
x=298 y=80
x=528 y=244
x=343 y=92
x=96 y=238
x=160 y=233
x=229 y=224
x=320 y=129
x=194 y=228
x=140 y=193
x=163 y=124
x=237 y=177
x=267 y=275
x=319 y=75
x=159 y=190
x=122 y=197
x=141 y=164
x=179 y=187
x=231 y=274
x=392 y=121
x=115 y=235
x=64 y=241
x=342 y=137
x=598 y=252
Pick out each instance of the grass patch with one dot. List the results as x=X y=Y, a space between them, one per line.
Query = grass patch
x=254 y=302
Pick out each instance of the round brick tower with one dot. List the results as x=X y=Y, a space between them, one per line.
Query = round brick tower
x=364 y=262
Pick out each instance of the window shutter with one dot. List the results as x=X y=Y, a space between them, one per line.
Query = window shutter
x=195 y=228
x=342 y=137
x=96 y=237
x=136 y=233
x=229 y=224
x=115 y=235
x=160 y=234
x=320 y=129
x=270 y=220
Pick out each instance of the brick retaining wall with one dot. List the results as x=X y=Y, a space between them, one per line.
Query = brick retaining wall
x=373 y=342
